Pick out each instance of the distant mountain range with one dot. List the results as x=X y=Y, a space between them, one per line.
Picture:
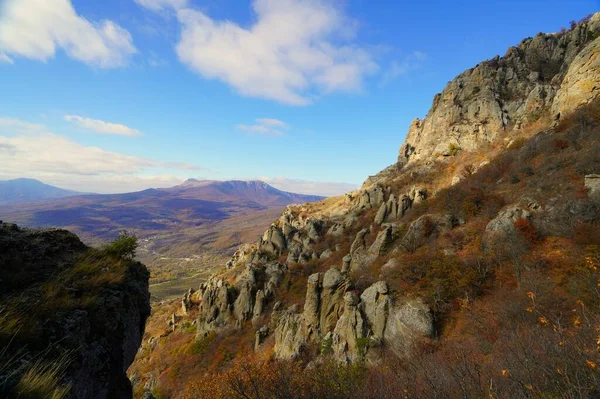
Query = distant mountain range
x=183 y=229
x=193 y=203
x=30 y=190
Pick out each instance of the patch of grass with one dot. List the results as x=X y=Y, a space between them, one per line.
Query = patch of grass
x=44 y=380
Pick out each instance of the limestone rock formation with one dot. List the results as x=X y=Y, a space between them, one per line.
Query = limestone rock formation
x=558 y=70
x=289 y=338
x=581 y=84
x=350 y=331
x=503 y=223
x=592 y=183
x=409 y=321
x=376 y=306
x=350 y=324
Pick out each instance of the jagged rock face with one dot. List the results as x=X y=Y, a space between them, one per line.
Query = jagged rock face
x=324 y=302
x=186 y=301
x=376 y=306
x=581 y=84
x=351 y=324
x=382 y=242
x=516 y=89
x=215 y=306
x=222 y=304
x=100 y=335
x=370 y=198
x=289 y=337
x=360 y=256
x=350 y=331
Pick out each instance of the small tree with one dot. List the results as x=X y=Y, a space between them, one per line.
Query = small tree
x=123 y=247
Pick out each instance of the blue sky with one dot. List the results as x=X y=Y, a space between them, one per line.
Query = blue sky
x=310 y=95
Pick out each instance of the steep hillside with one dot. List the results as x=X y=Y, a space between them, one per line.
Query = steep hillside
x=470 y=268
x=184 y=230
x=19 y=191
x=71 y=317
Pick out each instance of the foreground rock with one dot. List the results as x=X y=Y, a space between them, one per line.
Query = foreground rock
x=78 y=312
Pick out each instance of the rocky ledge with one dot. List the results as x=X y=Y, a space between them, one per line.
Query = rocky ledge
x=71 y=317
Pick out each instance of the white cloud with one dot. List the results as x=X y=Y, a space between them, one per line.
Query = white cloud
x=103 y=127
x=326 y=189
x=266 y=127
x=295 y=51
x=36 y=28
x=159 y=5
x=30 y=150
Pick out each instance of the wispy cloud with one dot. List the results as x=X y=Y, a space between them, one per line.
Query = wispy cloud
x=103 y=127
x=326 y=189
x=266 y=127
x=399 y=68
x=35 y=29
x=296 y=50
x=5 y=59
x=32 y=150
x=13 y=125
x=160 y=5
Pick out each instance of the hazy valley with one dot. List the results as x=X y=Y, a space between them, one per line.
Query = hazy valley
x=188 y=230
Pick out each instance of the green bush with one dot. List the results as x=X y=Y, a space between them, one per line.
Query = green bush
x=123 y=247
x=453 y=149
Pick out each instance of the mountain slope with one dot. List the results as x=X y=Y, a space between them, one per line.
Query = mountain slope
x=19 y=191
x=469 y=268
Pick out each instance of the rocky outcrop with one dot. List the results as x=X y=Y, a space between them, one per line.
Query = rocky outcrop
x=349 y=341
x=369 y=198
x=224 y=305
x=375 y=302
x=581 y=84
x=186 y=301
x=395 y=208
x=558 y=71
x=504 y=222
x=339 y=320
x=408 y=322
x=215 y=306
x=80 y=308
x=426 y=227
x=592 y=183
x=289 y=337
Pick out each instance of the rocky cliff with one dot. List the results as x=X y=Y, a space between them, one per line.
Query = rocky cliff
x=71 y=317
x=547 y=75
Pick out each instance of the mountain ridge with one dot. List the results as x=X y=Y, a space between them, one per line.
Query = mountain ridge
x=30 y=190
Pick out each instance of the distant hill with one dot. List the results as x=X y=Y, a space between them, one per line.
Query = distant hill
x=183 y=230
x=236 y=190
x=29 y=190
